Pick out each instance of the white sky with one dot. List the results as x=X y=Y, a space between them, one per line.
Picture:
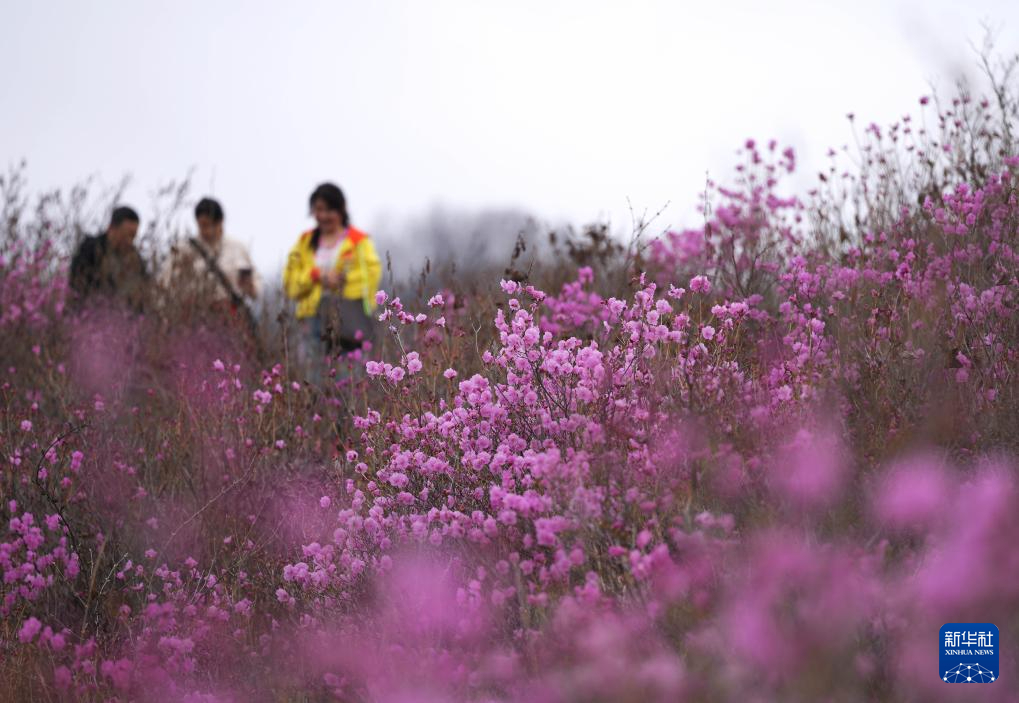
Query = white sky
x=565 y=109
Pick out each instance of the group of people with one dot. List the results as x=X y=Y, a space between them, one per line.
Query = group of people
x=332 y=272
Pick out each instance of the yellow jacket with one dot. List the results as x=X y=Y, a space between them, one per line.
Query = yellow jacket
x=357 y=259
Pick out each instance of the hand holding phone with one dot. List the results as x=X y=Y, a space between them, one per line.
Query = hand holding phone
x=333 y=279
x=246 y=282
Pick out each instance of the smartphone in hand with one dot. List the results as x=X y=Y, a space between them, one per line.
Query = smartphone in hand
x=246 y=281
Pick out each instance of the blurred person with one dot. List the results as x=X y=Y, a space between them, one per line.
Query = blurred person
x=218 y=265
x=109 y=264
x=213 y=273
x=333 y=273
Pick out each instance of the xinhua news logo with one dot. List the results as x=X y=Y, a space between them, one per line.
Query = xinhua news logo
x=969 y=652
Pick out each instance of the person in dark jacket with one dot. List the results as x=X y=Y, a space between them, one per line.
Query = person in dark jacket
x=109 y=264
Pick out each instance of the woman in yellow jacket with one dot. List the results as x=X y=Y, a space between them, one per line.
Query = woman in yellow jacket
x=333 y=273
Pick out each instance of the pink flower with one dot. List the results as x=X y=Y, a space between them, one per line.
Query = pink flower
x=700 y=284
x=616 y=306
x=708 y=332
x=26 y=425
x=811 y=470
x=62 y=677
x=29 y=630
x=450 y=373
x=325 y=501
x=913 y=493
x=413 y=363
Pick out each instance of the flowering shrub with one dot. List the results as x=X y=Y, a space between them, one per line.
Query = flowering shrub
x=765 y=460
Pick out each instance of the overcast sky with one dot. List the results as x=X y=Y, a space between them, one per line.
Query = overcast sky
x=570 y=110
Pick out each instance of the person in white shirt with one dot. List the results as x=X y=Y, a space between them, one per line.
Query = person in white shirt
x=211 y=266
